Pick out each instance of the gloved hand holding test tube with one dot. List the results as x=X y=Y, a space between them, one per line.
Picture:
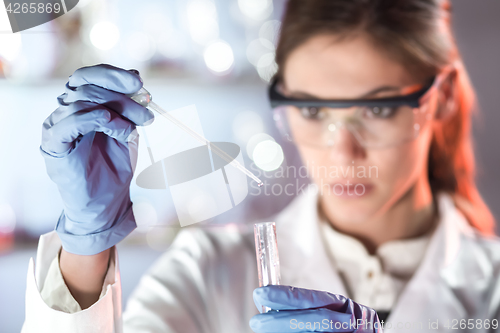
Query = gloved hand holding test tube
x=297 y=305
x=144 y=98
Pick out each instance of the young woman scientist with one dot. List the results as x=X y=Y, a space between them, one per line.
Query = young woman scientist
x=360 y=83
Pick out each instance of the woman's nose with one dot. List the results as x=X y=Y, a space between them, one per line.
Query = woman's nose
x=343 y=144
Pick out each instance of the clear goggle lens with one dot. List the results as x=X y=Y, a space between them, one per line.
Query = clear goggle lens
x=373 y=127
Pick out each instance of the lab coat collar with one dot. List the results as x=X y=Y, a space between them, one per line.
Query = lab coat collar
x=455 y=267
x=454 y=275
x=303 y=256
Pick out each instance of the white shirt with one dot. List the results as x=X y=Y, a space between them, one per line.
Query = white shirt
x=374 y=280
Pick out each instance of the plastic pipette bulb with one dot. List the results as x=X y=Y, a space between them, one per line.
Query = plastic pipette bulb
x=144 y=98
x=266 y=250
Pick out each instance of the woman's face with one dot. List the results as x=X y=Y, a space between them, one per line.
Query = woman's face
x=328 y=69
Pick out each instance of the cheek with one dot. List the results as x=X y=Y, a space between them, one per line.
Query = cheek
x=314 y=160
x=399 y=167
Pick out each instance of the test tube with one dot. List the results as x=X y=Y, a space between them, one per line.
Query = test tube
x=266 y=250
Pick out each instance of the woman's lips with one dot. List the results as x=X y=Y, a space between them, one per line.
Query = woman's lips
x=350 y=189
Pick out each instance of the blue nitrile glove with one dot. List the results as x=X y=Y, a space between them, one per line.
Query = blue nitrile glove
x=90 y=148
x=304 y=310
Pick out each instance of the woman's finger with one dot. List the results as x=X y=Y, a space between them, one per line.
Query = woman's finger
x=108 y=77
x=282 y=297
x=65 y=110
x=60 y=137
x=117 y=102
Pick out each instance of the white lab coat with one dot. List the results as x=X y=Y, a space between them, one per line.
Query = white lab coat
x=204 y=282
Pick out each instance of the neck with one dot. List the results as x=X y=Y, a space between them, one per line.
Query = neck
x=409 y=216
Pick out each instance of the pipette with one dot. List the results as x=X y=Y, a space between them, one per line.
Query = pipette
x=144 y=98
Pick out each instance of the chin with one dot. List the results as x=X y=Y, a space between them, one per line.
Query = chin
x=352 y=208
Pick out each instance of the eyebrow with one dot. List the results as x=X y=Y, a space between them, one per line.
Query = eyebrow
x=300 y=94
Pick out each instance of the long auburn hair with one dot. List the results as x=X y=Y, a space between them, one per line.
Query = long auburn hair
x=418 y=34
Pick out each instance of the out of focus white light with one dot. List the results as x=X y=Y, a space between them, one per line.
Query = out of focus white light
x=268 y=155
x=204 y=33
x=36 y=60
x=219 y=56
x=10 y=45
x=145 y=215
x=256 y=9
x=104 y=35
x=266 y=60
x=7 y=218
x=245 y=125
x=155 y=22
x=267 y=67
x=270 y=31
x=261 y=52
x=173 y=46
x=202 y=19
x=257 y=48
x=140 y=46
x=255 y=140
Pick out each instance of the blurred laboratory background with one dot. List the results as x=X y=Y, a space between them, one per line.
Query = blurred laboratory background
x=216 y=54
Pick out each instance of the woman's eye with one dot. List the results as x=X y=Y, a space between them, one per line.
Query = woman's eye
x=311 y=112
x=380 y=112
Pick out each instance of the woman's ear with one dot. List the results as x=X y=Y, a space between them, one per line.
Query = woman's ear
x=446 y=103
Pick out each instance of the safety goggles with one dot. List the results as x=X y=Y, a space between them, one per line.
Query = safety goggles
x=375 y=123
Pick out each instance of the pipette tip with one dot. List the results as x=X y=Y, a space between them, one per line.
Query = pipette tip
x=260 y=184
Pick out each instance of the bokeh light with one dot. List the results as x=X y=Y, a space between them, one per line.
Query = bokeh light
x=10 y=46
x=268 y=155
x=245 y=125
x=261 y=52
x=104 y=35
x=256 y=9
x=267 y=67
x=255 y=140
x=270 y=31
x=258 y=48
x=202 y=20
x=7 y=218
x=155 y=22
x=172 y=46
x=219 y=57
x=140 y=46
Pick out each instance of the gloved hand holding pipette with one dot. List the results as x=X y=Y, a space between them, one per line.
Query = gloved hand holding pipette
x=90 y=148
